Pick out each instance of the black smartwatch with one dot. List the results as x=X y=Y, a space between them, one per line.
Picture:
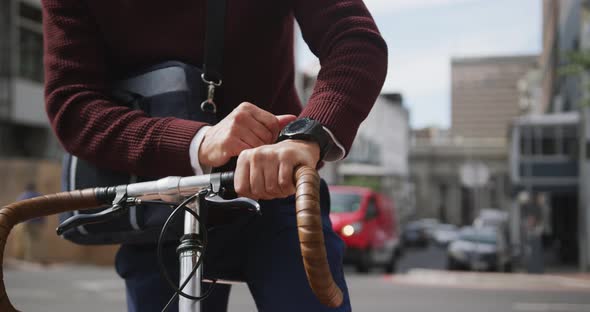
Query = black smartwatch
x=308 y=129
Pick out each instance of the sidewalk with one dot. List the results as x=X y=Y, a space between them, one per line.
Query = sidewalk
x=578 y=282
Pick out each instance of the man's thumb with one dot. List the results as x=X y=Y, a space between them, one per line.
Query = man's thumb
x=285 y=120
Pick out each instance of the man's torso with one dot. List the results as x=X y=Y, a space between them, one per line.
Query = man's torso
x=258 y=47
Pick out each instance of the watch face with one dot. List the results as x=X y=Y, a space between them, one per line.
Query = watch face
x=298 y=125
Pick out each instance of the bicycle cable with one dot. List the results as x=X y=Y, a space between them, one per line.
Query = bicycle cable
x=178 y=291
x=203 y=228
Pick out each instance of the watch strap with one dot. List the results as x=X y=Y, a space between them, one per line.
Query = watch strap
x=314 y=133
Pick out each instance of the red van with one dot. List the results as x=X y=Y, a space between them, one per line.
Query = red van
x=367 y=223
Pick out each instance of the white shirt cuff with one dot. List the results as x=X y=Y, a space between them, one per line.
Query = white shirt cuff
x=336 y=151
x=194 y=152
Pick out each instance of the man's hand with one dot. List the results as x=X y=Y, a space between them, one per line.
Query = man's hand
x=266 y=172
x=246 y=127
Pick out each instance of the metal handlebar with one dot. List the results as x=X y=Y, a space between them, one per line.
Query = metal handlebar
x=309 y=224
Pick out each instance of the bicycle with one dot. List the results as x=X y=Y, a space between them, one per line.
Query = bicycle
x=184 y=190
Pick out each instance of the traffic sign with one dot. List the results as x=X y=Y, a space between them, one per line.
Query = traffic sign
x=474 y=174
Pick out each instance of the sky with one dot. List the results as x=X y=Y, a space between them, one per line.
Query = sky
x=423 y=36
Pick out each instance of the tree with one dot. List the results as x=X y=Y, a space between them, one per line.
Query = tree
x=578 y=65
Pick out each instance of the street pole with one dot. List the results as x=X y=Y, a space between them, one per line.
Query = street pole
x=528 y=132
x=583 y=176
x=584 y=135
x=474 y=187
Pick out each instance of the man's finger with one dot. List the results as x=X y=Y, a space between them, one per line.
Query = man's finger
x=247 y=136
x=267 y=119
x=259 y=130
x=257 y=187
x=285 y=179
x=284 y=120
x=236 y=147
x=242 y=176
x=271 y=182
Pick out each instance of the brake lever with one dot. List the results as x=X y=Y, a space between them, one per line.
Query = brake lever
x=115 y=211
x=215 y=201
x=119 y=208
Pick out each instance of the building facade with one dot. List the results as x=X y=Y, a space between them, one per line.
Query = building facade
x=463 y=170
x=379 y=155
x=548 y=153
x=484 y=94
x=29 y=152
x=437 y=163
x=24 y=129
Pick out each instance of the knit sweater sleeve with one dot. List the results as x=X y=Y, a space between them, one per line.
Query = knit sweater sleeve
x=353 y=58
x=86 y=120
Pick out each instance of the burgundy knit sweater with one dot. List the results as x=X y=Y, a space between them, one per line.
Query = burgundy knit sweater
x=88 y=43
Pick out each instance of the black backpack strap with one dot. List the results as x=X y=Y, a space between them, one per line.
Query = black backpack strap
x=213 y=60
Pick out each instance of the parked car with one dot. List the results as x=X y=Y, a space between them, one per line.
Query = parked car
x=367 y=223
x=479 y=249
x=492 y=218
x=417 y=233
x=443 y=234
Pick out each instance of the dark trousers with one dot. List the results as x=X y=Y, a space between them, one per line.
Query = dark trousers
x=261 y=250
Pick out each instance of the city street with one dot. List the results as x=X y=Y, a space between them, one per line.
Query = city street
x=461 y=126
x=90 y=289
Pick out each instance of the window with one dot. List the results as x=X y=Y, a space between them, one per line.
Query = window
x=567 y=105
x=548 y=141
x=30 y=42
x=31 y=55
x=344 y=202
x=548 y=146
x=526 y=142
x=29 y=12
x=371 y=209
x=570 y=146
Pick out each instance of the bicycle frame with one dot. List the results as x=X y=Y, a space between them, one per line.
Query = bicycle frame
x=173 y=189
